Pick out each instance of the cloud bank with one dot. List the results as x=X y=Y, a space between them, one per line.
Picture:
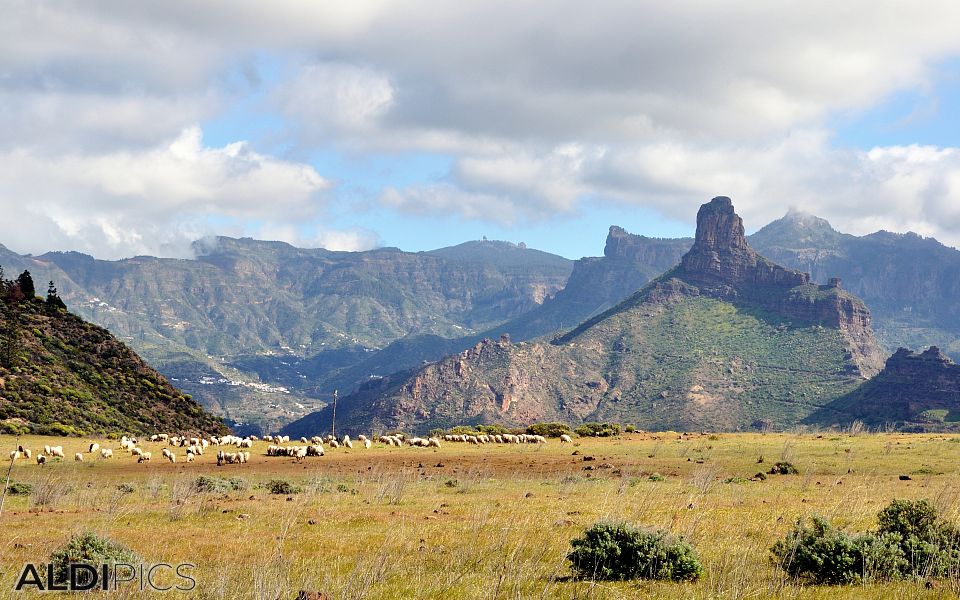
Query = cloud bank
x=540 y=105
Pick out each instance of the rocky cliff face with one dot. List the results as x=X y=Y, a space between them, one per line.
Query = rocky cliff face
x=724 y=339
x=919 y=389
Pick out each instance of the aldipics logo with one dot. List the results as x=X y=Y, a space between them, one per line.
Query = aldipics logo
x=81 y=577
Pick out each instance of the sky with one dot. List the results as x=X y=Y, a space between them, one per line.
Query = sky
x=137 y=127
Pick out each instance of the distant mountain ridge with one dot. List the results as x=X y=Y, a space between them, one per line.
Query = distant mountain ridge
x=197 y=319
x=723 y=340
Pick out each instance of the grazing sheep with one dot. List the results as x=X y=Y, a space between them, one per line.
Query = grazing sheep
x=46 y=449
x=27 y=452
x=166 y=453
x=190 y=456
x=144 y=457
x=301 y=453
x=106 y=453
x=315 y=450
x=566 y=439
x=367 y=444
x=15 y=455
x=127 y=445
x=137 y=452
x=347 y=442
x=433 y=442
x=78 y=457
x=57 y=451
x=361 y=438
x=41 y=460
x=93 y=447
x=172 y=457
x=334 y=444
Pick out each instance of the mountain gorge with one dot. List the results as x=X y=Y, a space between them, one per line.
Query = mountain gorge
x=724 y=340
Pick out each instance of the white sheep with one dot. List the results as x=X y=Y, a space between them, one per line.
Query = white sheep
x=347 y=442
x=361 y=438
x=27 y=452
x=15 y=455
x=144 y=457
x=172 y=457
x=566 y=439
x=190 y=456
x=433 y=442
x=136 y=452
x=367 y=444
x=334 y=444
x=46 y=449
x=57 y=451
x=78 y=457
x=93 y=447
x=106 y=453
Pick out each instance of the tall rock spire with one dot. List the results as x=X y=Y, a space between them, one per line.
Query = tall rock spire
x=721 y=255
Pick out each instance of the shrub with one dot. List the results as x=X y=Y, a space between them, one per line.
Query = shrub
x=92 y=549
x=19 y=488
x=617 y=551
x=784 y=468
x=597 y=430
x=930 y=544
x=218 y=485
x=630 y=429
x=549 y=429
x=281 y=486
x=126 y=488
x=821 y=553
x=911 y=541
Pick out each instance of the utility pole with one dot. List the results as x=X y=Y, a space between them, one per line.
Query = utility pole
x=6 y=484
x=334 y=427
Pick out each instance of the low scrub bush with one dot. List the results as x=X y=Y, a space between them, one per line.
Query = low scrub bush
x=281 y=486
x=549 y=429
x=598 y=430
x=617 y=551
x=92 y=549
x=911 y=540
x=219 y=485
x=784 y=468
x=19 y=488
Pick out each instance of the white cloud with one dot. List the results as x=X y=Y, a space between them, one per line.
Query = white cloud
x=152 y=201
x=540 y=104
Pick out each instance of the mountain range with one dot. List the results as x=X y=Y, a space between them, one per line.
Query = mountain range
x=725 y=339
x=263 y=332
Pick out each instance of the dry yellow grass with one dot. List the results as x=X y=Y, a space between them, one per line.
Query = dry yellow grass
x=489 y=521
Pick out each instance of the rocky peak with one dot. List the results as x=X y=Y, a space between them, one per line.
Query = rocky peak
x=722 y=256
x=719 y=228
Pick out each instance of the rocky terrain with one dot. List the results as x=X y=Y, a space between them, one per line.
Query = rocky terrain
x=913 y=391
x=724 y=340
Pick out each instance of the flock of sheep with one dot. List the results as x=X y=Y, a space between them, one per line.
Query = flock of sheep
x=195 y=446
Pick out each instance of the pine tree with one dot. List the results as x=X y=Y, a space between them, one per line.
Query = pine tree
x=53 y=299
x=25 y=281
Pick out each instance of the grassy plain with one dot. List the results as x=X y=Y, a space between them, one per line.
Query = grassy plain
x=478 y=521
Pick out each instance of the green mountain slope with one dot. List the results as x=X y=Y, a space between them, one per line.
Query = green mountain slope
x=66 y=376
x=724 y=340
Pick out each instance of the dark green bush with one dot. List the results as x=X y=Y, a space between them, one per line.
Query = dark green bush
x=630 y=429
x=784 y=468
x=281 y=486
x=617 y=551
x=821 y=553
x=19 y=488
x=930 y=544
x=219 y=485
x=549 y=429
x=598 y=430
x=92 y=549
x=911 y=541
